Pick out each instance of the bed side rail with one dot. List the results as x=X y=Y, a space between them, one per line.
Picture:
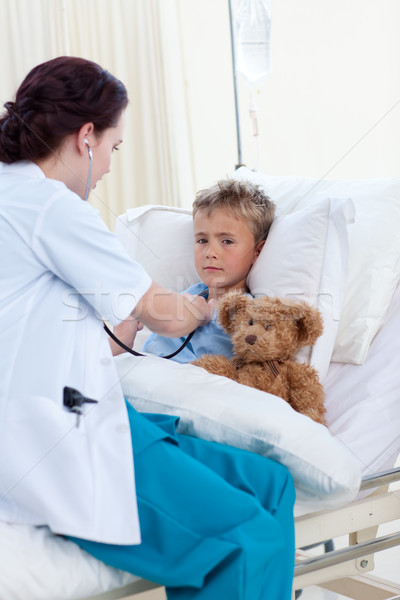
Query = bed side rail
x=378 y=479
x=360 y=519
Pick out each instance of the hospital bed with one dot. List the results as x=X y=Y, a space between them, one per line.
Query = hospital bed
x=336 y=245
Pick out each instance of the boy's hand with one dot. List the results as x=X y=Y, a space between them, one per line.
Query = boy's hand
x=126 y=332
x=200 y=308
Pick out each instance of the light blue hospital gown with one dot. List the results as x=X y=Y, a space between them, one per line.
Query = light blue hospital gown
x=208 y=339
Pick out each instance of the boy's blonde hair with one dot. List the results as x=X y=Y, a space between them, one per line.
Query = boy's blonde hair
x=241 y=198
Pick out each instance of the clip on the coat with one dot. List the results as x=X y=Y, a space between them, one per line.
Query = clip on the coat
x=73 y=400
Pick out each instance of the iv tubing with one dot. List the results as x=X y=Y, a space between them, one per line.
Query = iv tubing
x=238 y=135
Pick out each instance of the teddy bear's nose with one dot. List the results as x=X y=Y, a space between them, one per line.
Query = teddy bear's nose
x=251 y=339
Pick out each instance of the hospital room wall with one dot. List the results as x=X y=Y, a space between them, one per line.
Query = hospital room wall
x=329 y=108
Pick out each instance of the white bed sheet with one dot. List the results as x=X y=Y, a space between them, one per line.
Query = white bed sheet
x=35 y=564
x=363 y=401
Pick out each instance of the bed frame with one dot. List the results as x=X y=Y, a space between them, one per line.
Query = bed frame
x=343 y=571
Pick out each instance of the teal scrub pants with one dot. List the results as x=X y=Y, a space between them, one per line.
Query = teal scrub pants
x=216 y=521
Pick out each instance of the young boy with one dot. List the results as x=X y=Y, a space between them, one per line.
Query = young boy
x=231 y=221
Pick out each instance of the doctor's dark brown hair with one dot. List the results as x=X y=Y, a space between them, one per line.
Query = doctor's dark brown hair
x=241 y=199
x=55 y=99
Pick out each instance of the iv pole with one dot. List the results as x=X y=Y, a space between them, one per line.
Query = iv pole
x=238 y=134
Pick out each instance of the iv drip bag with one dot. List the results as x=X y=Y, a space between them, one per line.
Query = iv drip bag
x=253 y=39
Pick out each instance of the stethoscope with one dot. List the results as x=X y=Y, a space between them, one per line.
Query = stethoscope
x=132 y=351
x=108 y=330
x=204 y=293
x=90 y=169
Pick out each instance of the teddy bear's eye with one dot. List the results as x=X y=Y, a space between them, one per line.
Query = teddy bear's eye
x=251 y=322
x=267 y=326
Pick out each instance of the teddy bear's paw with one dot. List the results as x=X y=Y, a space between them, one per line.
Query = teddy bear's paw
x=217 y=365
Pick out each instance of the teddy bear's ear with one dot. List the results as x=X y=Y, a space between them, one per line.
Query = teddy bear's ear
x=232 y=305
x=309 y=323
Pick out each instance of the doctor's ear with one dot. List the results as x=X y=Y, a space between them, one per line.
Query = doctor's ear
x=85 y=134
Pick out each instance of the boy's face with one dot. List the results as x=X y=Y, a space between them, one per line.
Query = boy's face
x=224 y=251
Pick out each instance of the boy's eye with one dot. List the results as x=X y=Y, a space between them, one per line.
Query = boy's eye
x=201 y=241
x=227 y=241
x=115 y=148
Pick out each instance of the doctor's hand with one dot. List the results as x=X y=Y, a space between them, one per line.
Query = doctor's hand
x=126 y=332
x=170 y=314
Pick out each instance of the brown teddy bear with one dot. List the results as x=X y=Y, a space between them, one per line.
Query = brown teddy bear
x=266 y=334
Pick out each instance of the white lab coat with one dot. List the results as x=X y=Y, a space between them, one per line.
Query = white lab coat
x=61 y=270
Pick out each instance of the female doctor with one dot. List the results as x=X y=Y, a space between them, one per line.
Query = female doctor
x=205 y=520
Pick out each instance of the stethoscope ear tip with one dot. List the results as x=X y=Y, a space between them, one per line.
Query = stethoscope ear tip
x=90 y=153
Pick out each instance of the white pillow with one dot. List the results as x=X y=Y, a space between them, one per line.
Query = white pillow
x=219 y=409
x=374 y=248
x=160 y=238
x=305 y=258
